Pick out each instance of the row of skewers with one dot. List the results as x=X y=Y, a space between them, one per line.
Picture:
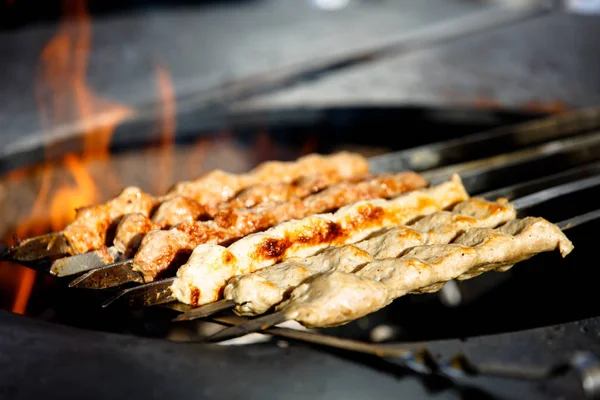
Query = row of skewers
x=320 y=240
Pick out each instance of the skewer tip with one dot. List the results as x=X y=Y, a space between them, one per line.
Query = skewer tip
x=108 y=276
x=205 y=310
x=147 y=295
x=79 y=263
x=37 y=248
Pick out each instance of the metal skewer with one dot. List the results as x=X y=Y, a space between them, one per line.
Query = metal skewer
x=158 y=292
x=39 y=247
x=110 y=275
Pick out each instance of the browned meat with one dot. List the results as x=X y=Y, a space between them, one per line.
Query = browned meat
x=180 y=209
x=176 y=210
x=335 y=298
x=131 y=231
x=202 y=279
x=282 y=191
x=233 y=224
x=89 y=229
x=257 y=292
x=385 y=186
x=218 y=186
x=133 y=227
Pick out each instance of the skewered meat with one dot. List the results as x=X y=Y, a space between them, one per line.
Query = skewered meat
x=176 y=210
x=258 y=292
x=89 y=229
x=218 y=186
x=282 y=191
x=133 y=227
x=179 y=209
x=131 y=231
x=202 y=279
x=335 y=298
x=160 y=248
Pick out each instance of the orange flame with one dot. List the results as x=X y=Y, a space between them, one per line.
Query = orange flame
x=64 y=96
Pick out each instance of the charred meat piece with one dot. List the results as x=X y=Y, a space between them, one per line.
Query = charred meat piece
x=180 y=209
x=218 y=186
x=176 y=210
x=133 y=227
x=256 y=293
x=131 y=231
x=280 y=192
x=160 y=248
x=89 y=229
x=336 y=298
x=202 y=279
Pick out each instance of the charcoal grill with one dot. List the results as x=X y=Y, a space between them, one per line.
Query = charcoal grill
x=541 y=318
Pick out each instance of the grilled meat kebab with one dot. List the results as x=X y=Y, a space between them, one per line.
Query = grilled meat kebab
x=89 y=229
x=133 y=227
x=160 y=248
x=202 y=279
x=256 y=293
x=335 y=298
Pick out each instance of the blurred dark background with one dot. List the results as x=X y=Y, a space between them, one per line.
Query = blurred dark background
x=19 y=14
x=540 y=61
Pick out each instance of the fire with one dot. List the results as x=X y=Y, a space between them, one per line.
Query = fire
x=66 y=99
x=64 y=96
x=67 y=199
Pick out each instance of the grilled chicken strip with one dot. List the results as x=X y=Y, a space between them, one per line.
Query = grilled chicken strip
x=256 y=293
x=160 y=248
x=336 y=298
x=89 y=229
x=202 y=279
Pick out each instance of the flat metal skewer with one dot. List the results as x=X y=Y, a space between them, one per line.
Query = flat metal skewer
x=39 y=247
x=79 y=263
x=206 y=310
x=252 y=326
